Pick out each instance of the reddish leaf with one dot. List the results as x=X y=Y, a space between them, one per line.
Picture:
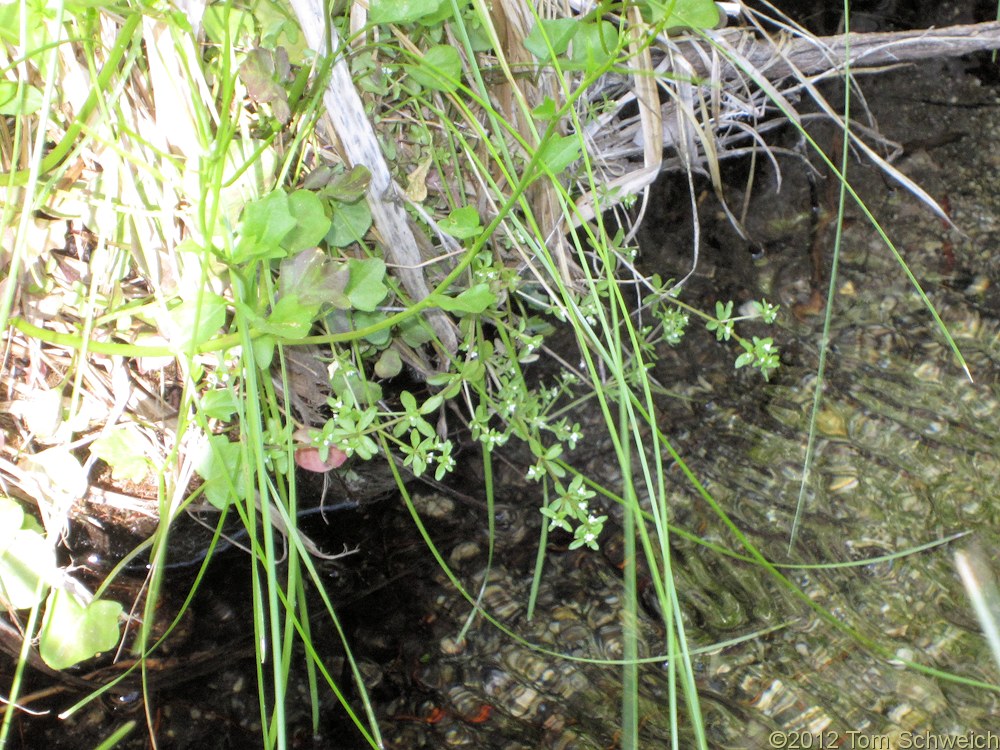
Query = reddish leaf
x=308 y=458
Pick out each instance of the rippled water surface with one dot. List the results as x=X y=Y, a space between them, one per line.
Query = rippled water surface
x=907 y=452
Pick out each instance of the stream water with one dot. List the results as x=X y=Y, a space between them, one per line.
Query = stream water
x=907 y=453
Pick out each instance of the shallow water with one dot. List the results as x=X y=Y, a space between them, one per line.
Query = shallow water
x=907 y=452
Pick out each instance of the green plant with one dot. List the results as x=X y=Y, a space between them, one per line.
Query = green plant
x=75 y=625
x=278 y=253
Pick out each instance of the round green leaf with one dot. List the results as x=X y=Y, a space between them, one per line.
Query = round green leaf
x=594 y=45
x=401 y=11
x=263 y=351
x=558 y=152
x=195 y=321
x=27 y=101
x=220 y=403
x=311 y=222
x=124 y=450
x=26 y=563
x=557 y=31
x=263 y=226
x=358 y=319
x=350 y=222
x=688 y=14
x=220 y=465
x=389 y=364
x=59 y=473
x=474 y=300
x=439 y=69
x=366 y=287
x=462 y=223
x=72 y=633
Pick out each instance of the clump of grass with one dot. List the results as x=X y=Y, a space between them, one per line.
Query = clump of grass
x=278 y=273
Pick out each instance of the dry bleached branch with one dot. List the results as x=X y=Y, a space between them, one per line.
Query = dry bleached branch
x=733 y=78
x=872 y=50
x=733 y=57
x=745 y=77
x=361 y=147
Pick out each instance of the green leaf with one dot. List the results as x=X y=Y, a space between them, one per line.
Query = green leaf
x=389 y=364
x=315 y=278
x=473 y=300
x=123 y=450
x=220 y=465
x=263 y=351
x=36 y=24
x=479 y=39
x=346 y=320
x=559 y=31
x=402 y=11
x=348 y=187
x=72 y=633
x=219 y=403
x=473 y=371
x=193 y=322
x=594 y=45
x=558 y=152
x=311 y=221
x=26 y=102
x=223 y=24
x=462 y=223
x=688 y=14
x=287 y=319
x=415 y=332
x=264 y=225
x=27 y=566
x=350 y=222
x=433 y=403
x=279 y=27
x=439 y=69
x=366 y=288
x=60 y=472
x=352 y=389
x=264 y=71
x=409 y=402
x=547 y=110
x=290 y=318
x=9 y=14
